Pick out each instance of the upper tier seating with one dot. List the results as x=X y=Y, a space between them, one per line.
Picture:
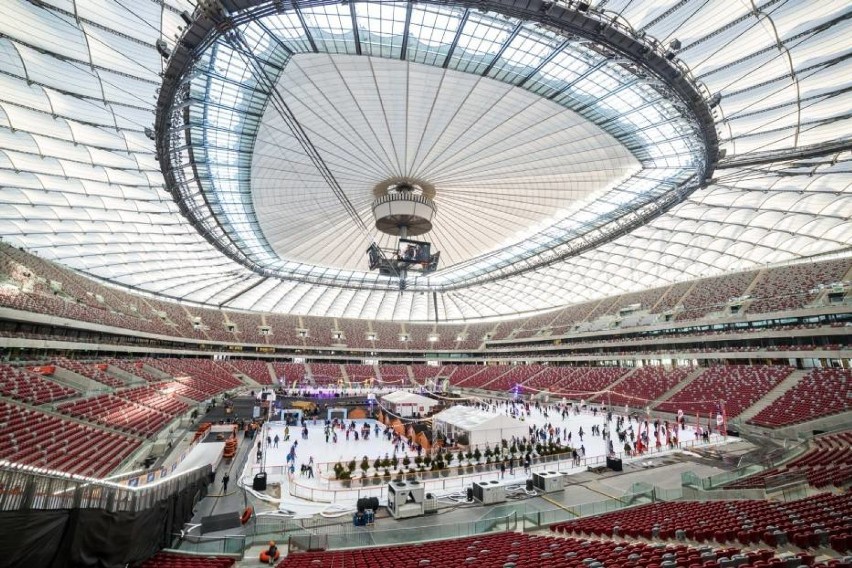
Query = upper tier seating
x=827 y=462
x=177 y=560
x=387 y=334
x=534 y=325
x=257 y=370
x=319 y=331
x=792 y=287
x=418 y=336
x=43 y=440
x=283 y=329
x=247 y=326
x=712 y=294
x=570 y=316
x=117 y=413
x=646 y=300
x=740 y=386
x=355 y=333
x=447 y=336
x=644 y=386
x=822 y=392
x=20 y=384
x=40 y=286
x=214 y=325
x=806 y=523
x=474 y=334
x=673 y=297
x=89 y=370
x=520 y=550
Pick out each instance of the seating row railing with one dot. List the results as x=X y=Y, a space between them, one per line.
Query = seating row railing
x=25 y=487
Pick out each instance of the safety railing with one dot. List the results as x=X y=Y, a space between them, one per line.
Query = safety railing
x=360 y=537
x=228 y=544
x=27 y=487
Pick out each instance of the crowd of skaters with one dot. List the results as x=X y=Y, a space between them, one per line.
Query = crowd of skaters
x=635 y=433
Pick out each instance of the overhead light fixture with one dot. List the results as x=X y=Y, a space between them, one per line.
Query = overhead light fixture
x=163 y=49
x=675 y=45
x=583 y=6
x=149 y=133
x=715 y=100
x=186 y=17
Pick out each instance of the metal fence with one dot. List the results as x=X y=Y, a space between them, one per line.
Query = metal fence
x=26 y=487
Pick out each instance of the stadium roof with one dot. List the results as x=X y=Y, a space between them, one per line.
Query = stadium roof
x=572 y=151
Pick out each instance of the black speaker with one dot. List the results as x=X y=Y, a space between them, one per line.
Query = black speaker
x=614 y=464
x=470 y=493
x=373 y=503
x=259 y=483
x=362 y=504
x=530 y=485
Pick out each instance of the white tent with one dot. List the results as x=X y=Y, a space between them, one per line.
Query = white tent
x=479 y=426
x=406 y=404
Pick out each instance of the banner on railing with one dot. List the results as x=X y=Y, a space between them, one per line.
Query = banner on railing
x=43 y=369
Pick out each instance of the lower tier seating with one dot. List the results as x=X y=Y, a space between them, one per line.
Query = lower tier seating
x=827 y=462
x=43 y=440
x=174 y=560
x=821 y=392
x=517 y=550
x=821 y=520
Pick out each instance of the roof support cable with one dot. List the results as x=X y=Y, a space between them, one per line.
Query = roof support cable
x=237 y=42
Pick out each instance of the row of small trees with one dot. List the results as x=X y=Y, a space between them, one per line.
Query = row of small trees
x=444 y=459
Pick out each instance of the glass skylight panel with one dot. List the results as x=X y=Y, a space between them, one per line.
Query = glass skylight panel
x=331 y=28
x=431 y=31
x=523 y=54
x=288 y=28
x=480 y=42
x=381 y=27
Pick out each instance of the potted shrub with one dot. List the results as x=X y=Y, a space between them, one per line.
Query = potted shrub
x=418 y=461
x=365 y=465
x=377 y=464
x=345 y=478
x=406 y=461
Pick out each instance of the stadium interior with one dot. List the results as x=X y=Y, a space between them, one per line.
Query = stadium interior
x=539 y=283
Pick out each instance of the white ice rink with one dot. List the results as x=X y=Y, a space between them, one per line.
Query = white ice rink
x=326 y=454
